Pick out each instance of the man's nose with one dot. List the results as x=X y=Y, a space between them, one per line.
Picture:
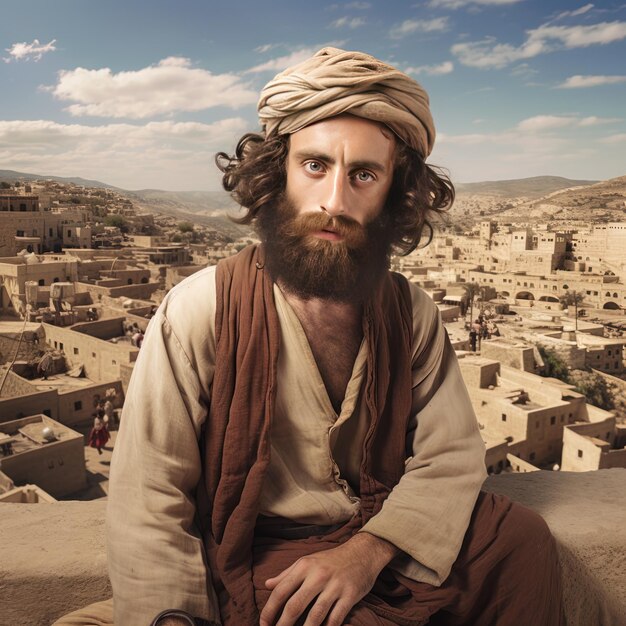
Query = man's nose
x=335 y=198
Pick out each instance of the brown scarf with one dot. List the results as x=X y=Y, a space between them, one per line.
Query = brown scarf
x=236 y=445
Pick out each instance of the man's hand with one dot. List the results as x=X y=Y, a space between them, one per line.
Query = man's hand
x=331 y=582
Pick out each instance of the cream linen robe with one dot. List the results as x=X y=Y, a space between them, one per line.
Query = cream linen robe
x=155 y=555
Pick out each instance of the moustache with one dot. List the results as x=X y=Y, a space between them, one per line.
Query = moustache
x=352 y=234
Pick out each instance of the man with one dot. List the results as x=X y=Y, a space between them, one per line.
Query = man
x=298 y=446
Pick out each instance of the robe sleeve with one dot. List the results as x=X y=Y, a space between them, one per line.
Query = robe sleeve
x=428 y=512
x=155 y=554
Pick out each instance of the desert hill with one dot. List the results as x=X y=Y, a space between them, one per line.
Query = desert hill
x=534 y=187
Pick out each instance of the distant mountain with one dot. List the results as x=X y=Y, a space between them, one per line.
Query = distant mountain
x=210 y=208
x=535 y=187
x=11 y=176
x=203 y=202
x=604 y=201
x=607 y=195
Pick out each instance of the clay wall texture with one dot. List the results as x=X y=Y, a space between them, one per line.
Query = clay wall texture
x=57 y=467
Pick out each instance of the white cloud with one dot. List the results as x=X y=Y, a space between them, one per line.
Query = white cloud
x=564 y=148
x=541 y=123
x=578 y=81
x=524 y=70
x=281 y=63
x=29 y=51
x=348 y=22
x=169 y=86
x=408 y=27
x=166 y=155
x=581 y=36
x=592 y=120
x=619 y=138
x=490 y=54
x=581 y=11
x=457 y=4
x=432 y=70
x=266 y=47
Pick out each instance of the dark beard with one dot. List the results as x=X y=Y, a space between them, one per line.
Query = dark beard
x=349 y=270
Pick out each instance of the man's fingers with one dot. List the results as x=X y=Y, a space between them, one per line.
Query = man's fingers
x=283 y=590
x=318 y=612
x=338 y=613
x=298 y=603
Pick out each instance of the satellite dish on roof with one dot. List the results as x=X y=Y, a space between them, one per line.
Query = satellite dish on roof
x=48 y=434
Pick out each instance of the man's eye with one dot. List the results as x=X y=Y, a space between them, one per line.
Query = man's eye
x=364 y=176
x=313 y=166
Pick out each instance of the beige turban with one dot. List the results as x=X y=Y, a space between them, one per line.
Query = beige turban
x=334 y=81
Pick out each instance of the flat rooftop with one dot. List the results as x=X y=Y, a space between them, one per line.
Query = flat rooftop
x=13 y=325
x=61 y=382
x=26 y=434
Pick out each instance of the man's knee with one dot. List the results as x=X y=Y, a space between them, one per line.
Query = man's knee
x=529 y=532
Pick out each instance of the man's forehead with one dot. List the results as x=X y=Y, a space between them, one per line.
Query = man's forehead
x=351 y=133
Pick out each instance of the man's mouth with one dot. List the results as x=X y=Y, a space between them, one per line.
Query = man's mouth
x=328 y=234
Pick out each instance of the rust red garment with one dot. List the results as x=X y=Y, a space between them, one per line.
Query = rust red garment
x=98 y=437
x=507 y=574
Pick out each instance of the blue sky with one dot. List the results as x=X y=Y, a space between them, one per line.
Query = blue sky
x=142 y=94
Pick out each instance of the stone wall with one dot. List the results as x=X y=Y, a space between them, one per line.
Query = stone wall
x=519 y=357
x=54 y=558
x=101 y=359
x=45 y=402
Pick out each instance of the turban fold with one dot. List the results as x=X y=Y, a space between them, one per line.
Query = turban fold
x=335 y=81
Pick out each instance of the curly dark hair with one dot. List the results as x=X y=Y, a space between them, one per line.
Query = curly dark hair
x=256 y=176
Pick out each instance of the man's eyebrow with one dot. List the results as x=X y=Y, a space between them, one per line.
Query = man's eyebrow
x=325 y=158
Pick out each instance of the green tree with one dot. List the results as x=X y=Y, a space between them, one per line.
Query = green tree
x=185 y=227
x=572 y=297
x=593 y=386
x=5 y=185
x=595 y=389
x=553 y=365
x=118 y=221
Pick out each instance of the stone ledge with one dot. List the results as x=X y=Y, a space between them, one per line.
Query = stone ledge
x=586 y=512
x=54 y=557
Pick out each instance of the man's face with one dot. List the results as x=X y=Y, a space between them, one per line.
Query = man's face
x=342 y=166
x=327 y=237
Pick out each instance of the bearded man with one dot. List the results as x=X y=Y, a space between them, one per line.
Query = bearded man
x=297 y=444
